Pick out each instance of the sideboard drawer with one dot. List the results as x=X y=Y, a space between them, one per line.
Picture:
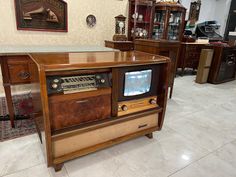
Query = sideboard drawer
x=64 y=146
x=19 y=69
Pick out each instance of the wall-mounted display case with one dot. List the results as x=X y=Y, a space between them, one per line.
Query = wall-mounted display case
x=151 y=20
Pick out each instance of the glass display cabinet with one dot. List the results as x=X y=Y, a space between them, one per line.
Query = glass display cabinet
x=140 y=19
x=168 y=21
x=149 y=19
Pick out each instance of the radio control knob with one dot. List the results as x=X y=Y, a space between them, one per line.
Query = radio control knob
x=103 y=81
x=124 y=108
x=55 y=80
x=54 y=86
x=153 y=101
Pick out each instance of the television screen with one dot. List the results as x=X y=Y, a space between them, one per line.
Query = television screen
x=137 y=82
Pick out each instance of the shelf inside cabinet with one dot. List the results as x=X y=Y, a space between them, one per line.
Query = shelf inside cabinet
x=140 y=22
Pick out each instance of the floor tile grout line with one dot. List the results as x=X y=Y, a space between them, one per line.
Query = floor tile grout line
x=192 y=140
x=200 y=158
x=66 y=171
x=23 y=169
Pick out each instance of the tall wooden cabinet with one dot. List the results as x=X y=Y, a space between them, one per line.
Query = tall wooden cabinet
x=151 y=20
x=140 y=19
x=168 y=21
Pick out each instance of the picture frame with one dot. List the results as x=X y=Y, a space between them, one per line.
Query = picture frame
x=41 y=15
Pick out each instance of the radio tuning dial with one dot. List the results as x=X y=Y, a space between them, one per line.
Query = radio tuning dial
x=124 y=108
x=54 y=86
x=153 y=101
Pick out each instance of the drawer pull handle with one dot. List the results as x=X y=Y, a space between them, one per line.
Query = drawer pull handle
x=82 y=101
x=142 y=126
x=24 y=75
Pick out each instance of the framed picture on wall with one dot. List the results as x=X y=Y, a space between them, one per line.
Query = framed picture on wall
x=41 y=15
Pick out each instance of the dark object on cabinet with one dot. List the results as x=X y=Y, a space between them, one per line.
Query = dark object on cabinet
x=223 y=65
x=208 y=30
x=161 y=47
x=68 y=139
x=120 y=45
x=160 y=20
x=231 y=22
x=16 y=70
x=41 y=15
x=189 y=55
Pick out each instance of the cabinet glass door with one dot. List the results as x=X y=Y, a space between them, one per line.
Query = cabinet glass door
x=174 y=27
x=141 y=15
x=159 y=24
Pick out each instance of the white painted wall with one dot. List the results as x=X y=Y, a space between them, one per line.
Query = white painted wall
x=79 y=33
x=221 y=13
x=212 y=10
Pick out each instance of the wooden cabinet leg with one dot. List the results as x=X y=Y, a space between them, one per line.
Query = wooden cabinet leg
x=7 y=89
x=149 y=135
x=58 y=167
x=182 y=72
x=171 y=91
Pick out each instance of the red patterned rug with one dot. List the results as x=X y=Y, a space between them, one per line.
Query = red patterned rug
x=23 y=128
x=23 y=107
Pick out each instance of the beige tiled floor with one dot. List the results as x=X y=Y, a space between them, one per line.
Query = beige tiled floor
x=198 y=140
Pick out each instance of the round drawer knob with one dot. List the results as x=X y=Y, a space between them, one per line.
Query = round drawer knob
x=124 y=108
x=55 y=80
x=103 y=81
x=153 y=101
x=54 y=86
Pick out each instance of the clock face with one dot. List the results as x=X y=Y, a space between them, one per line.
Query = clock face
x=121 y=24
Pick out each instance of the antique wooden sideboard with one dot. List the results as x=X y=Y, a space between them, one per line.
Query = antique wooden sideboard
x=17 y=68
x=110 y=111
x=223 y=66
x=161 y=47
x=189 y=55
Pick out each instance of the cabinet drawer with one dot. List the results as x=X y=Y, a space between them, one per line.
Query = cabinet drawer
x=71 y=112
x=80 y=141
x=19 y=69
x=19 y=73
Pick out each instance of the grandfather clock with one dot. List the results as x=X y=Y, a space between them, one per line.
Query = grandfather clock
x=120 y=29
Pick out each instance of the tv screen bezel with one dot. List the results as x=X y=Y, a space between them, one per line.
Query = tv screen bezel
x=154 y=81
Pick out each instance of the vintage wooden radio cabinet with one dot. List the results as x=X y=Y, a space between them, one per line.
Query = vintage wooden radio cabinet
x=88 y=101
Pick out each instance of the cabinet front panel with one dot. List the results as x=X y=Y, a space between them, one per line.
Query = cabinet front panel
x=78 y=142
x=73 y=112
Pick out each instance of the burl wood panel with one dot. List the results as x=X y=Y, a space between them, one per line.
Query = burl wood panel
x=84 y=140
x=71 y=112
